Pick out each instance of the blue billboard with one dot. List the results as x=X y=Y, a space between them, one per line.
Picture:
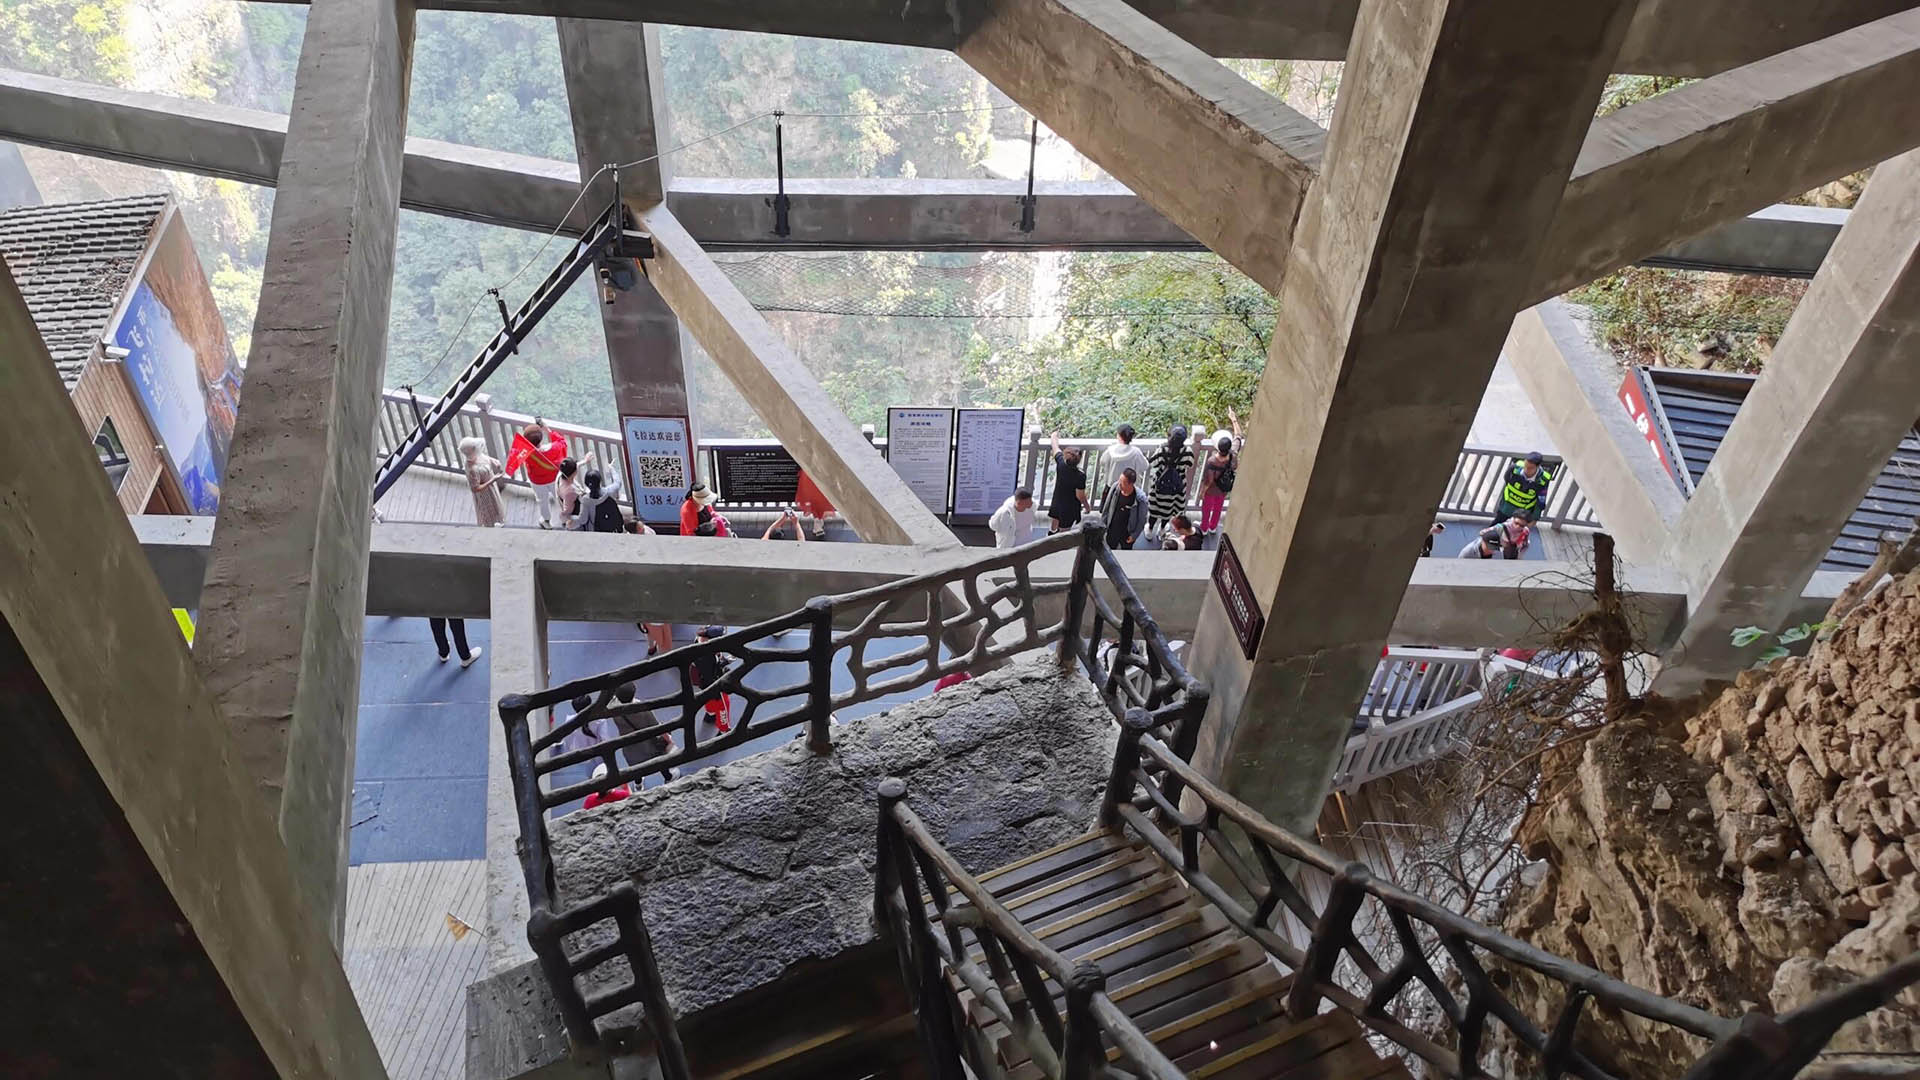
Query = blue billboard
x=181 y=366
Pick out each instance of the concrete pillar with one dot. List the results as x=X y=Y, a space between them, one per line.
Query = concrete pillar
x=1413 y=252
x=284 y=604
x=517 y=660
x=1841 y=389
x=1574 y=386
x=620 y=115
x=149 y=920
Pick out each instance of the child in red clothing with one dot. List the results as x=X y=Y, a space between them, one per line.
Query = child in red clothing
x=707 y=669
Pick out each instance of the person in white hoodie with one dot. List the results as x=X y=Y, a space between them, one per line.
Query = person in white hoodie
x=1118 y=458
x=1012 y=524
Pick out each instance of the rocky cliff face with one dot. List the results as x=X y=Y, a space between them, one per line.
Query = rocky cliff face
x=1750 y=855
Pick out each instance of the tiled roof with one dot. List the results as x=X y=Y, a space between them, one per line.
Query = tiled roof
x=1699 y=406
x=71 y=262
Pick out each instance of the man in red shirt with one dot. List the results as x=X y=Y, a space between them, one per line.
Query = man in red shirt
x=539 y=451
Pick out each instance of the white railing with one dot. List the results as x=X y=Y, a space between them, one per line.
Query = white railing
x=1422 y=703
x=498 y=427
x=1481 y=474
x=1473 y=491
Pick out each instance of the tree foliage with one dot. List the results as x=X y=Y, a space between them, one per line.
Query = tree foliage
x=1145 y=342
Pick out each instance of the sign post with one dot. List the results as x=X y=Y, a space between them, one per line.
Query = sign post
x=920 y=449
x=659 y=465
x=986 y=460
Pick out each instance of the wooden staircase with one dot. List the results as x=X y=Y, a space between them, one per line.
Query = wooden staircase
x=1204 y=993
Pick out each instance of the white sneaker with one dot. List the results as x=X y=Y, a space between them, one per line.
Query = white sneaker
x=443 y=658
x=471 y=657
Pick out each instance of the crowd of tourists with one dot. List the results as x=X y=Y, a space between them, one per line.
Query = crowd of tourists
x=1143 y=498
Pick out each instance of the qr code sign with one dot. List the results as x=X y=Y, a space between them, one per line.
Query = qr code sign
x=659 y=471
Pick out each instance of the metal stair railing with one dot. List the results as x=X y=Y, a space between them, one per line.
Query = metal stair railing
x=912 y=870
x=1144 y=798
x=608 y=237
x=1004 y=616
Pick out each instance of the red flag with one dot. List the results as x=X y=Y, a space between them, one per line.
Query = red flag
x=543 y=463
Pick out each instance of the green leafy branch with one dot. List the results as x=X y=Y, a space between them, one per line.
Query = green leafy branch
x=1745 y=636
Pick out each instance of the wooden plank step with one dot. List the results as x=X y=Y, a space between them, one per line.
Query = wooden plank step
x=1088 y=894
x=1151 y=896
x=1182 y=1028
x=1177 y=975
x=1186 y=997
x=1076 y=890
x=1041 y=865
x=1347 y=1061
x=1278 y=1050
x=1185 y=927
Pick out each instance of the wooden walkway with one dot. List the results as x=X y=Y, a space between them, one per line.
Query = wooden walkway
x=444 y=499
x=409 y=962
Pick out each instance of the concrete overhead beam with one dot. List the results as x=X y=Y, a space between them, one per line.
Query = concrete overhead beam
x=1668 y=37
x=1573 y=386
x=1221 y=158
x=532 y=193
x=281 y=616
x=792 y=403
x=418 y=571
x=1710 y=152
x=1838 y=395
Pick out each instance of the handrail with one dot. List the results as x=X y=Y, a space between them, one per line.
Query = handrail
x=1752 y=1046
x=913 y=870
x=1004 y=619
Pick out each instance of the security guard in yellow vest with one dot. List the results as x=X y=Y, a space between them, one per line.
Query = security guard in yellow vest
x=1525 y=493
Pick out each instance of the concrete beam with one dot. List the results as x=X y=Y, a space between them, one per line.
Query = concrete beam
x=421 y=570
x=523 y=192
x=416 y=571
x=1413 y=252
x=149 y=916
x=1676 y=165
x=1668 y=37
x=619 y=115
x=1573 y=386
x=1221 y=158
x=1839 y=393
x=865 y=489
x=281 y=616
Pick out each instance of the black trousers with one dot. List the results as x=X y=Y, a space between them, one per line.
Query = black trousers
x=459 y=636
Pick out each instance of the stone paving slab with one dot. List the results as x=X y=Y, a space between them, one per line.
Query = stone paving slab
x=750 y=868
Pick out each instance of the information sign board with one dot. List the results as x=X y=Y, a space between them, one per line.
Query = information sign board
x=920 y=449
x=756 y=474
x=986 y=459
x=659 y=465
